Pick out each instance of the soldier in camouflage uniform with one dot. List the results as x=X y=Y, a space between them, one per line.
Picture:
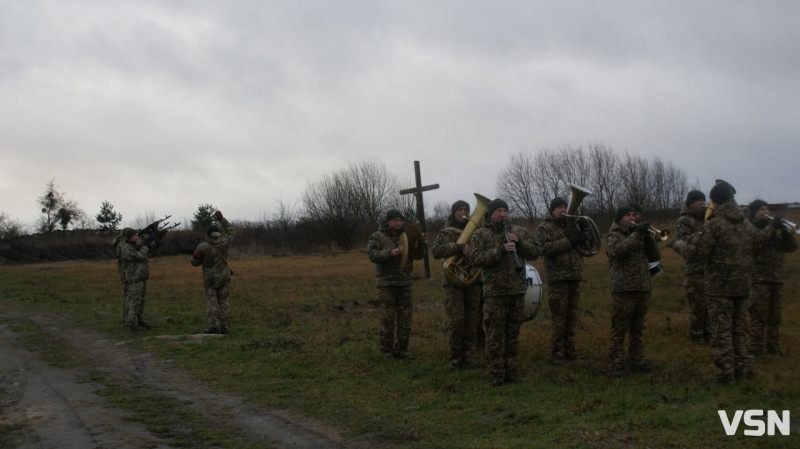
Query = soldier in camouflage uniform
x=563 y=269
x=690 y=221
x=629 y=247
x=504 y=288
x=460 y=302
x=394 y=286
x=766 y=293
x=727 y=244
x=132 y=254
x=212 y=255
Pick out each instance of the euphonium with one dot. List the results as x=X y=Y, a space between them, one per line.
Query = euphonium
x=457 y=269
x=580 y=223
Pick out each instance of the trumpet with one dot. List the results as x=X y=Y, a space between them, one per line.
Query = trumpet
x=788 y=225
x=662 y=235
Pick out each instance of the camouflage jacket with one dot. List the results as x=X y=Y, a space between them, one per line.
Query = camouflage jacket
x=561 y=261
x=213 y=254
x=628 y=255
x=727 y=243
x=388 y=272
x=689 y=223
x=772 y=243
x=445 y=245
x=133 y=265
x=498 y=271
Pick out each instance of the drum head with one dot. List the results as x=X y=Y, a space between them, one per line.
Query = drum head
x=534 y=293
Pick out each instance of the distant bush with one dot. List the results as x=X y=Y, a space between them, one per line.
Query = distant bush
x=272 y=238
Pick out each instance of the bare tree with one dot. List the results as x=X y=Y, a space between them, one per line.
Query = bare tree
x=376 y=187
x=603 y=179
x=636 y=176
x=516 y=184
x=669 y=185
x=349 y=199
x=550 y=175
x=9 y=228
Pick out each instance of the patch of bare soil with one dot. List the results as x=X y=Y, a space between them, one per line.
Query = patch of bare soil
x=47 y=406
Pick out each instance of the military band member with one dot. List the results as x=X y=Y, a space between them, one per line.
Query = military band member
x=394 y=286
x=563 y=268
x=766 y=293
x=629 y=247
x=691 y=219
x=726 y=243
x=212 y=255
x=134 y=270
x=501 y=256
x=461 y=302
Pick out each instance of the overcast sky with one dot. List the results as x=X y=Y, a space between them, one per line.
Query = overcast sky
x=158 y=106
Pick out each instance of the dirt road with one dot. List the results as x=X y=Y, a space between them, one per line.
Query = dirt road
x=57 y=405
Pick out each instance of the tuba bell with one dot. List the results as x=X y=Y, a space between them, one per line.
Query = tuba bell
x=457 y=269
x=580 y=223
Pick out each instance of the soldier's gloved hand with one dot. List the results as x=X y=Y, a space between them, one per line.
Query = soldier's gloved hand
x=643 y=228
x=576 y=238
x=777 y=222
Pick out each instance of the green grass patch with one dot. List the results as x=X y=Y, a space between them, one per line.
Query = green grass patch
x=304 y=337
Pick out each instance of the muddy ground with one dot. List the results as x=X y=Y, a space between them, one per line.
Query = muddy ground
x=53 y=405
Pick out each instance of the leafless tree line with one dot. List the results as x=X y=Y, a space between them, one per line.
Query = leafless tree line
x=352 y=200
x=532 y=179
x=346 y=205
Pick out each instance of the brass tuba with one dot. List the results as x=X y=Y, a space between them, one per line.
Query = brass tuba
x=580 y=223
x=457 y=269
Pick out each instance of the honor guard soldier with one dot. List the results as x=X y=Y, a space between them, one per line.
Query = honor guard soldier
x=726 y=242
x=393 y=281
x=212 y=255
x=691 y=219
x=500 y=251
x=629 y=247
x=766 y=294
x=461 y=299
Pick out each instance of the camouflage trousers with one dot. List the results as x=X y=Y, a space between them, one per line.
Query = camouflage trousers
x=480 y=331
x=628 y=317
x=134 y=302
x=503 y=316
x=698 y=311
x=217 y=306
x=462 y=315
x=730 y=341
x=563 y=298
x=396 y=313
x=766 y=310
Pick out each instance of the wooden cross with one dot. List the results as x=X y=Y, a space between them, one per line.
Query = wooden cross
x=417 y=191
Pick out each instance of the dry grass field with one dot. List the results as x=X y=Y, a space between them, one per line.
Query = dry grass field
x=304 y=338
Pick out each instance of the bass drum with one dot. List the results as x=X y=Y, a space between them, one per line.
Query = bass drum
x=534 y=294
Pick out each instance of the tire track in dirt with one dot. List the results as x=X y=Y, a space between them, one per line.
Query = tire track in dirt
x=59 y=407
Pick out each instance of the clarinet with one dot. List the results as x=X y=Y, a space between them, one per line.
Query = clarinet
x=518 y=266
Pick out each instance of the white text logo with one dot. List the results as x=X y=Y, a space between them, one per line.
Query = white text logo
x=755 y=423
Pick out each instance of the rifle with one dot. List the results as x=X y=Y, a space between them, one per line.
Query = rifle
x=152 y=233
